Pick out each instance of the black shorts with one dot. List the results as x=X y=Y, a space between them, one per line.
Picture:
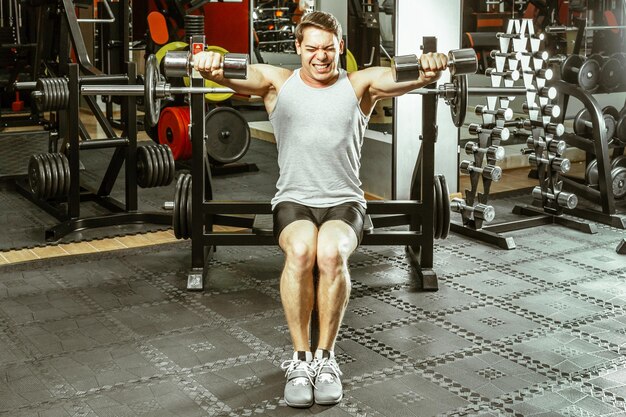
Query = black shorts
x=288 y=212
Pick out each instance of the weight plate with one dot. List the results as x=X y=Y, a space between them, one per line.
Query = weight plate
x=591 y=173
x=144 y=167
x=152 y=105
x=66 y=170
x=458 y=106
x=611 y=75
x=172 y=164
x=160 y=150
x=609 y=126
x=189 y=207
x=176 y=216
x=611 y=111
x=620 y=129
x=174 y=131
x=445 y=208
x=437 y=205
x=159 y=166
x=351 y=64
x=589 y=75
x=568 y=67
x=183 y=207
x=47 y=183
x=618 y=182
x=618 y=161
x=227 y=135
x=61 y=174
x=54 y=175
x=35 y=176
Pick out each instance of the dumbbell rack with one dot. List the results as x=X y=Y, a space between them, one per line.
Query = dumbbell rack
x=197 y=197
x=67 y=208
x=597 y=147
x=514 y=57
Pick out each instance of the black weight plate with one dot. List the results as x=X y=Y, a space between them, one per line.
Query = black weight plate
x=35 y=176
x=589 y=75
x=620 y=129
x=618 y=182
x=567 y=68
x=445 y=208
x=172 y=164
x=166 y=164
x=227 y=135
x=61 y=174
x=591 y=173
x=159 y=165
x=579 y=122
x=612 y=111
x=458 y=106
x=437 y=205
x=189 y=207
x=143 y=166
x=54 y=175
x=47 y=181
x=66 y=171
x=611 y=75
x=183 y=207
x=176 y=216
x=150 y=167
x=155 y=166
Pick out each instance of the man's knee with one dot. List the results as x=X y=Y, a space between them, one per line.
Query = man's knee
x=332 y=259
x=300 y=255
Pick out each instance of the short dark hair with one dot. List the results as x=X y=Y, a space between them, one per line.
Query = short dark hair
x=320 y=20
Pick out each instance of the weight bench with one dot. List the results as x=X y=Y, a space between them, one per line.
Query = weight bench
x=264 y=225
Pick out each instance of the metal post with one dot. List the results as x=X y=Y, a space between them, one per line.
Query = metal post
x=129 y=121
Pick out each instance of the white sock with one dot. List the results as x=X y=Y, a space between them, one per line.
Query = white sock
x=319 y=353
x=308 y=356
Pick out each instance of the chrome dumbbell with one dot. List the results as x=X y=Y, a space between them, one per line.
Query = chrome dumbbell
x=491 y=172
x=545 y=73
x=553 y=145
x=545 y=92
x=552 y=128
x=512 y=75
x=492 y=152
x=559 y=164
x=479 y=211
x=562 y=198
x=501 y=133
x=500 y=114
x=552 y=110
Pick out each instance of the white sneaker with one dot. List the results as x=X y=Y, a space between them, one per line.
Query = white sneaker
x=300 y=373
x=327 y=387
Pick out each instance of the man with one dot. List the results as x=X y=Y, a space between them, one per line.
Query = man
x=319 y=114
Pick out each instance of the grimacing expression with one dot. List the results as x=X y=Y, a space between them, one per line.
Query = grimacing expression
x=319 y=51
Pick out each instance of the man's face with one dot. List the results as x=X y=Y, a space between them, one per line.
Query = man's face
x=319 y=53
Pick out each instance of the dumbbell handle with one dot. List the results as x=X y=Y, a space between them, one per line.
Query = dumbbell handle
x=492 y=152
x=180 y=64
x=554 y=146
x=510 y=74
x=479 y=211
x=545 y=73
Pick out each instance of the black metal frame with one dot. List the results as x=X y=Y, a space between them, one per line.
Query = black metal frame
x=71 y=131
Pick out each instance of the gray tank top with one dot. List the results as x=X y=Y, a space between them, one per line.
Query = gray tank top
x=319 y=134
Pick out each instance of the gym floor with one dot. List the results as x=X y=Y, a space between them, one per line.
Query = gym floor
x=109 y=329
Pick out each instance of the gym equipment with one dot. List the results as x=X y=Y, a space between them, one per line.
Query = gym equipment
x=552 y=145
x=49 y=175
x=180 y=64
x=155 y=166
x=583 y=126
x=181 y=220
x=492 y=172
x=441 y=221
x=585 y=73
x=512 y=75
x=500 y=114
x=561 y=165
x=552 y=110
x=408 y=67
x=495 y=153
x=501 y=133
x=227 y=135
x=617 y=176
x=611 y=72
x=562 y=198
x=479 y=211
x=173 y=129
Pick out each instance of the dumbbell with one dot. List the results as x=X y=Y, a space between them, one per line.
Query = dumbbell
x=583 y=126
x=552 y=128
x=562 y=198
x=544 y=73
x=509 y=74
x=576 y=70
x=553 y=145
x=500 y=114
x=501 y=133
x=552 y=110
x=611 y=72
x=408 y=67
x=479 y=211
x=517 y=55
x=617 y=174
x=491 y=172
x=562 y=165
x=545 y=92
x=492 y=152
x=180 y=64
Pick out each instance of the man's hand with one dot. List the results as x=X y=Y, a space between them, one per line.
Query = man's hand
x=432 y=65
x=209 y=64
